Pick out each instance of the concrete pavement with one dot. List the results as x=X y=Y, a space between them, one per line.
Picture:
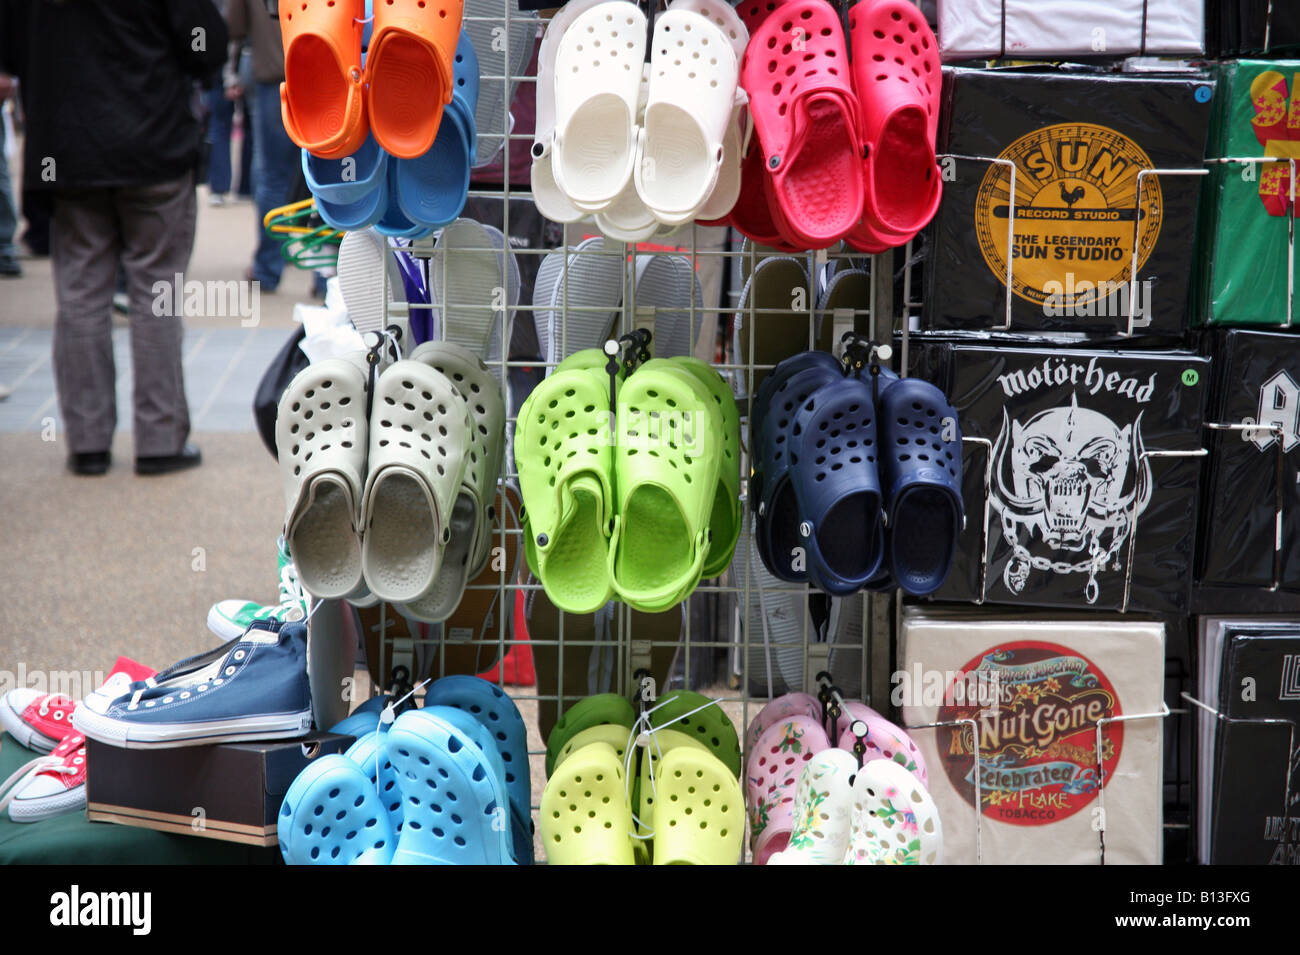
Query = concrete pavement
x=94 y=567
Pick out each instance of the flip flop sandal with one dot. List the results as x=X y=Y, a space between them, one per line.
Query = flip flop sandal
x=699 y=817
x=668 y=284
x=823 y=811
x=351 y=191
x=771 y=777
x=778 y=535
x=363 y=257
x=332 y=815
x=503 y=38
x=409 y=72
x=693 y=79
x=806 y=117
x=665 y=467
x=491 y=706
x=847 y=639
x=726 y=517
x=884 y=740
x=473 y=513
x=576 y=296
x=776 y=622
x=781 y=708
x=419 y=443
x=710 y=725
x=584 y=815
x=778 y=327
x=846 y=289
x=758 y=408
x=321 y=431
x=832 y=452
x=563 y=455
x=482 y=626
x=432 y=187
x=896 y=73
x=597 y=75
x=895 y=821
x=921 y=455
x=598 y=710
x=452 y=797
x=368 y=753
x=550 y=200
x=475 y=284
x=322 y=98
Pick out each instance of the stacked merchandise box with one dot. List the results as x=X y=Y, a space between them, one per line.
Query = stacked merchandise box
x=1037 y=689
x=1075 y=449
x=1235 y=27
x=1079 y=143
x=1248 y=781
x=1256 y=382
x=970 y=29
x=1245 y=227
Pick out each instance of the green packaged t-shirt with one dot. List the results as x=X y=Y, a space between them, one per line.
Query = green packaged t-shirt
x=1246 y=209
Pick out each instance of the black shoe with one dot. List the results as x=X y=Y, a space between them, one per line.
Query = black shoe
x=9 y=268
x=90 y=464
x=166 y=464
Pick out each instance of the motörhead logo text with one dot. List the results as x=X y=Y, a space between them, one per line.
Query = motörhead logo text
x=1058 y=371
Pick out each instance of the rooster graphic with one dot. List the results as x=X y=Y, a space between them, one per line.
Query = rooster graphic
x=1071 y=196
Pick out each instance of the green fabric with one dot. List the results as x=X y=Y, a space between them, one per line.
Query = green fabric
x=71 y=839
x=1242 y=243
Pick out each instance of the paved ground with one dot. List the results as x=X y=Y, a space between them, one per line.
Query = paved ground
x=90 y=568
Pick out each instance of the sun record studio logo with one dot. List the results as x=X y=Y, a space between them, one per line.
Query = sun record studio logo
x=1076 y=207
x=1038 y=753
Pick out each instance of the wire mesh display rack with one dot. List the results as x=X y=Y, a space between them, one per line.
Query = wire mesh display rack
x=622 y=647
x=619 y=648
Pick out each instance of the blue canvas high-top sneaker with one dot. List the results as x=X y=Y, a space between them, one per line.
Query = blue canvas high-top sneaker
x=253 y=688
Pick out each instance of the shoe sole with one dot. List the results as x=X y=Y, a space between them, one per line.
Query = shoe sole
x=47 y=807
x=223 y=628
x=120 y=733
x=25 y=735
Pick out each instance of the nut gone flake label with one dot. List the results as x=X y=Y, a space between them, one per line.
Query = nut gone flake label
x=1038 y=745
x=1076 y=213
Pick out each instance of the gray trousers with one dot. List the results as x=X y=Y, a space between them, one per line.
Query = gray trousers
x=149 y=230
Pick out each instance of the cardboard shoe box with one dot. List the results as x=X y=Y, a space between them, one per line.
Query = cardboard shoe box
x=228 y=791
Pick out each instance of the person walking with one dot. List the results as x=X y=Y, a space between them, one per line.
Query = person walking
x=219 y=101
x=113 y=140
x=276 y=159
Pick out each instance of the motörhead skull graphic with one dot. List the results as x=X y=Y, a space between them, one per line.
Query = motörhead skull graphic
x=1063 y=477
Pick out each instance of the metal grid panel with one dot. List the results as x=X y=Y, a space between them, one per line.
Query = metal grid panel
x=628 y=646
